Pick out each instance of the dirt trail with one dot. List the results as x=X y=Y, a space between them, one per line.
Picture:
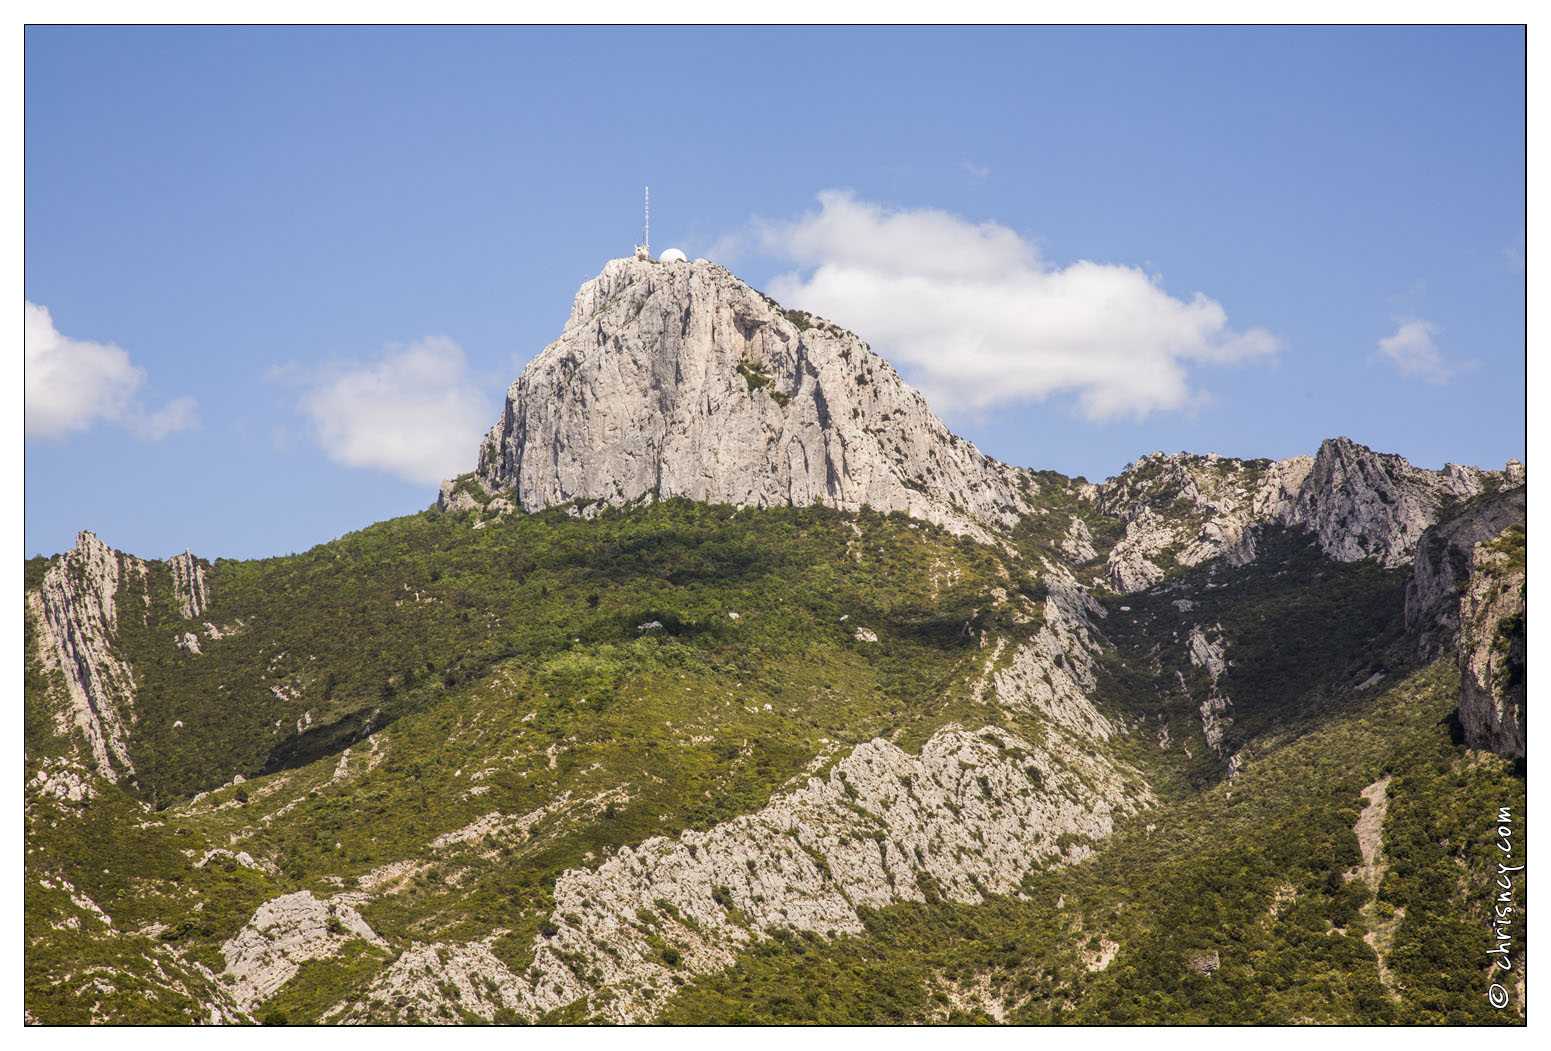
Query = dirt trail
x=1370 y=840
x=1370 y=831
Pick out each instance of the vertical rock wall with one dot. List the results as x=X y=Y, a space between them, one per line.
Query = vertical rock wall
x=677 y=379
x=76 y=611
x=1492 y=647
x=188 y=583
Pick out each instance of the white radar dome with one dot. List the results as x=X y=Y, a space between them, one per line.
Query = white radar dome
x=673 y=255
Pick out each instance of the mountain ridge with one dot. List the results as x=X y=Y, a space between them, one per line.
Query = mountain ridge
x=574 y=747
x=658 y=387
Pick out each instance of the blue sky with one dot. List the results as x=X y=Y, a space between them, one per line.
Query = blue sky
x=250 y=251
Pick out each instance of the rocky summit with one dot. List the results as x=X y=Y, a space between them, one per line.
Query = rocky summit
x=677 y=379
x=731 y=687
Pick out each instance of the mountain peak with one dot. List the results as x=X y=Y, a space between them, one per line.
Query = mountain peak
x=678 y=379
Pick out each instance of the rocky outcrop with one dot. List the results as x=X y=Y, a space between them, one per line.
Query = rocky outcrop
x=1184 y=510
x=677 y=379
x=76 y=615
x=440 y=983
x=282 y=935
x=966 y=817
x=62 y=779
x=1208 y=652
x=241 y=857
x=188 y=584
x=1442 y=565
x=1077 y=545
x=466 y=493
x=1054 y=672
x=1130 y=565
x=1363 y=504
x=1492 y=646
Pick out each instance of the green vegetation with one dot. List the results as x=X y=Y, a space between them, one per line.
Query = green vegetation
x=1256 y=871
x=1301 y=632
x=754 y=375
x=595 y=683
x=353 y=634
x=1256 y=880
x=1512 y=545
x=502 y=669
x=757 y=378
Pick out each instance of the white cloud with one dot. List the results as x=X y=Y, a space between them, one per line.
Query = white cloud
x=1412 y=350
x=979 y=319
x=414 y=412
x=728 y=249
x=74 y=383
x=177 y=415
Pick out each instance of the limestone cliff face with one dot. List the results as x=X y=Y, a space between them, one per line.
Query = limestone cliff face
x=1184 y=510
x=1363 y=504
x=1207 y=651
x=188 y=583
x=1054 y=673
x=76 y=614
x=677 y=379
x=1188 y=509
x=1442 y=565
x=1492 y=646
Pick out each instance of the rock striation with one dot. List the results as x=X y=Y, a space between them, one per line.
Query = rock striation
x=679 y=380
x=1492 y=646
x=282 y=935
x=1442 y=565
x=1185 y=510
x=76 y=615
x=188 y=584
x=966 y=817
x=1207 y=651
x=1363 y=504
x=1055 y=671
x=1077 y=545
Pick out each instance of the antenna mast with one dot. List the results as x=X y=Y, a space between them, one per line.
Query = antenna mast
x=644 y=251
